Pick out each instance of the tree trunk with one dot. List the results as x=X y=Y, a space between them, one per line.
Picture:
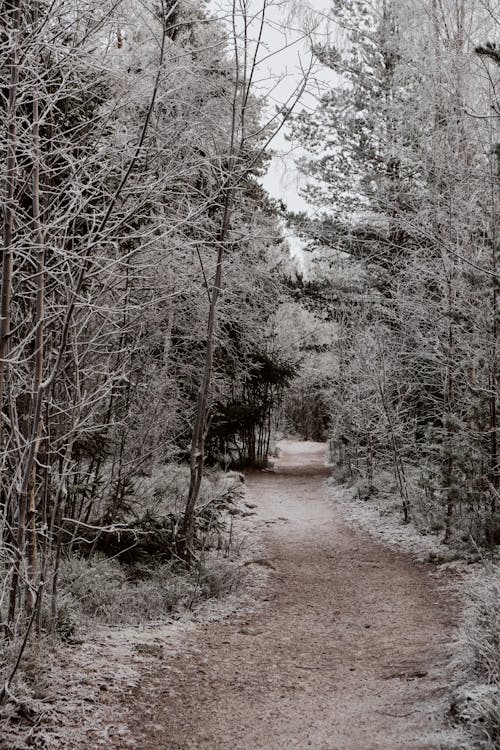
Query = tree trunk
x=197 y=463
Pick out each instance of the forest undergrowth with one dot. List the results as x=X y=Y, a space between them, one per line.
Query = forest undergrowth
x=476 y=699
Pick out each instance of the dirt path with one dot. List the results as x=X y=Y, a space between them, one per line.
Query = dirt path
x=347 y=653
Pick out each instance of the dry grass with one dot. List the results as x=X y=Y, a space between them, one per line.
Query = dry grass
x=95 y=592
x=101 y=590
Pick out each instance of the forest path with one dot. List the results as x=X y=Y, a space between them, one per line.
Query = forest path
x=348 y=652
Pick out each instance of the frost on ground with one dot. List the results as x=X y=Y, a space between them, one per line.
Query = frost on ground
x=333 y=640
x=78 y=682
x=334 y=657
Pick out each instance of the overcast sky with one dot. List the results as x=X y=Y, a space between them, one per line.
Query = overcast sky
x=285 y=56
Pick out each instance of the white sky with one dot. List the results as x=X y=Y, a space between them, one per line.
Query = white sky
x=287 y=51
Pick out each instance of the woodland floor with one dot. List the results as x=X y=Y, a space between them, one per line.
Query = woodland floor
x=344 y=648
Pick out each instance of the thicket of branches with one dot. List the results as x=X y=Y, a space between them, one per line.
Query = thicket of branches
x=138 y=250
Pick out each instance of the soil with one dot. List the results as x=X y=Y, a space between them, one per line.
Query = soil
x=348 y=652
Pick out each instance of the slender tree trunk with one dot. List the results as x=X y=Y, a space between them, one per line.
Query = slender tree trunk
x=6 y=287
x=448 y=399
x=494 y=457
x=31 y=472
x=9 y=208
x=199 y=431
